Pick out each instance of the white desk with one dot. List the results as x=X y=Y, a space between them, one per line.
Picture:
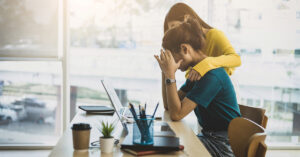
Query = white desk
x=64 y=147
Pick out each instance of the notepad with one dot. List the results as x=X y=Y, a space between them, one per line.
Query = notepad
x=98 y=110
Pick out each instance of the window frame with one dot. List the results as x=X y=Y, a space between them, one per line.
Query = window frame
x=63 y=35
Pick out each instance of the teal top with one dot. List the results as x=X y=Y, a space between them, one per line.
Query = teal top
x=216 y=99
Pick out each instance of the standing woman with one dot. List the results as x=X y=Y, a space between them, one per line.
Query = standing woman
x=218 y=48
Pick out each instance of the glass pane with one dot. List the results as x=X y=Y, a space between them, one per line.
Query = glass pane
x=30 y=102
x=28 y=28
x=267 y=36
x=112 y=35
x=116 y=40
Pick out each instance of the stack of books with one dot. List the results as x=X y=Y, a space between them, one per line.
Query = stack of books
x=148 y=152
x=161 y=145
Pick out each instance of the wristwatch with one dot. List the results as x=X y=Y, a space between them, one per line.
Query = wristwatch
x=169 y=81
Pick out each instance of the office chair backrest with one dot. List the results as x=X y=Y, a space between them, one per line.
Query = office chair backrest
x=246 y=138
x=257 y=146
x=265 y=122
x=255 y=114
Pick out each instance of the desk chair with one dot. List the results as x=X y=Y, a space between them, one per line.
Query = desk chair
x=255 y=114
x=246 y=138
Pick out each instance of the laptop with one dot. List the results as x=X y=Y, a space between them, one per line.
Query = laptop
x=160 y=128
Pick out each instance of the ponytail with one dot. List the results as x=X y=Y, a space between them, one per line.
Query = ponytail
x=176 y=13
x=196 y=28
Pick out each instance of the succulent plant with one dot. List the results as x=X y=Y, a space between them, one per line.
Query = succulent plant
x=107 y=129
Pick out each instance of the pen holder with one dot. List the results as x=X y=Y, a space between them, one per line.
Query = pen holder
x=143 y=131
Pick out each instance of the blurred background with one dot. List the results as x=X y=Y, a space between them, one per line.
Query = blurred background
x=116 y=40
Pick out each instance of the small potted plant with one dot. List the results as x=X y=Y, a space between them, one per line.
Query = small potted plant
x=107 y=140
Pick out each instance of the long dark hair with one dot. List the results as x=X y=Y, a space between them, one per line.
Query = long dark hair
x=188 y=32
x=177 y=13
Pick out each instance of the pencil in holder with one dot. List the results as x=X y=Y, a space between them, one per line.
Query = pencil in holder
x=143 y=131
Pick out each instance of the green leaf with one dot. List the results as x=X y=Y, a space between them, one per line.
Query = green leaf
x=107 y=129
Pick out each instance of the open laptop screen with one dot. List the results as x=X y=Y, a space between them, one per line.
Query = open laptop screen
x=114 y=99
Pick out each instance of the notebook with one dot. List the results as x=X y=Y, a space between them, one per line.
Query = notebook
x=98 y=110
x=148 y=152
x=160 y=144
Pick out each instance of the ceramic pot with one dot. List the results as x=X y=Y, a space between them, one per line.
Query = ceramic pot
x=106 y=144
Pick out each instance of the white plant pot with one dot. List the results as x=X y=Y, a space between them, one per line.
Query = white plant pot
x=106 y=144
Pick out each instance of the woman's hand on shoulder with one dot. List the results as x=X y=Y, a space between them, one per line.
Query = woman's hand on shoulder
x=194 y=75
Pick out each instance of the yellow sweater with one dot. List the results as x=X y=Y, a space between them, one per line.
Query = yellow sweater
x=220 y=54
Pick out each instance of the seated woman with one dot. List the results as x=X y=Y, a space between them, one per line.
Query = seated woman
x=212 y=97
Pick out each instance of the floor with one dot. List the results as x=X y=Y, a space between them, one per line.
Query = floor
x=45 y=153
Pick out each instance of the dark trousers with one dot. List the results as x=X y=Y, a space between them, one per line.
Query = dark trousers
x=216 y=142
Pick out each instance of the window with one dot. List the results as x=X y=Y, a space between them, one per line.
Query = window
x=105 y=37
x=270 y=75
x=30 y=73
x=30 y=102
x=29 y=29
x=117 y=40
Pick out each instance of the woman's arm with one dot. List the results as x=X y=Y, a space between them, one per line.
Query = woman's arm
x=228 y=61
x=178 y=108
x=180 y=93
x=164 y=91
x=224 y=55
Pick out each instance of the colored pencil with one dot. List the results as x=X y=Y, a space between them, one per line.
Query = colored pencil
x=155 y=110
